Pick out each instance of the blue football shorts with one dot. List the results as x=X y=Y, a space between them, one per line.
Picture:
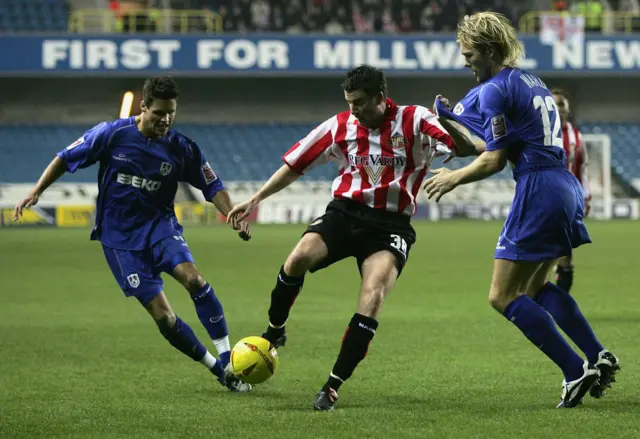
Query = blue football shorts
x=545 y=221
x=138 y=272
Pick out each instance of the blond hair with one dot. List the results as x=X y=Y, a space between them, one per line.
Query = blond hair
x=491 y=29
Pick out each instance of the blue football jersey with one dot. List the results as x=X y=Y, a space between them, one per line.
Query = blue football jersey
x=137 y=181
x=514 y=110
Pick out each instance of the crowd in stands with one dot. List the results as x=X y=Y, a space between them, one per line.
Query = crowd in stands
x=360 y=16
x=364 y=16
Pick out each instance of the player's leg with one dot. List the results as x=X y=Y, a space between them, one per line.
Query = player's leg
x=564 y=309
x=172 y=255
x=179 y=334
x=566 y=312
x=208 y=307
x=135 y=274
x=309 y=251
x=379 y=274
x=509 y=284
x=564 y=273
x=321 y=245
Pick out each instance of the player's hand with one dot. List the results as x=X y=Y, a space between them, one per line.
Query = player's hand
x=241 y=211
x=442 y=182
x=587 y=208
x=444 y=101
x=27 y=202
x=243 y=228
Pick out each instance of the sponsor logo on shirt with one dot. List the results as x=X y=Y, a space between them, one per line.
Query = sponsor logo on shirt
x=374 y=164
x=138 y=182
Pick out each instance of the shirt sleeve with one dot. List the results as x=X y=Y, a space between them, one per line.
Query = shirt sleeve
x=314 y=150
x=87 y=150
x=498 y=131
x=433 y=133
x=199 y=173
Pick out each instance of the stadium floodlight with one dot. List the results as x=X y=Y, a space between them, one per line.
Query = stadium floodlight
x=127 y=104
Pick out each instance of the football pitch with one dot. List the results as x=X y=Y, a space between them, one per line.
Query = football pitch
x=78 y=360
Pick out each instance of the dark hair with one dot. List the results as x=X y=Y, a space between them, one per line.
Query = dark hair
x=560 y=92
x=366 y=78
x=159 y=87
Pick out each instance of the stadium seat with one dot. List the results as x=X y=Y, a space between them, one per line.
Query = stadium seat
x=33 y=15
x=247 y=152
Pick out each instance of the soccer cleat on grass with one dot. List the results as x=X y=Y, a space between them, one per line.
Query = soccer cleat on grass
x=608 y=365
x=574 y=391
x=277 y=336
x=325 y=400
x=233 y=383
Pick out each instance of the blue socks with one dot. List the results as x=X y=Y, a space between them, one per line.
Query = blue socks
x=211 y=315
x=182 y=338
x=565 y=311
x=540 y=329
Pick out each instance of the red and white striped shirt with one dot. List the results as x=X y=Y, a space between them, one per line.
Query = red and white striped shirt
x=576 y=156
x=381 y=168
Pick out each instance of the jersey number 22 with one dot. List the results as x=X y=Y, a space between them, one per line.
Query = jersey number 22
x=546 y=105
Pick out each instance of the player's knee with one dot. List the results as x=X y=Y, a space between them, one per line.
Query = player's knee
x=499 y=299
x=193 y=282
x=166 y=322
x=564 y=262
x=301 y=259
x=298 y=263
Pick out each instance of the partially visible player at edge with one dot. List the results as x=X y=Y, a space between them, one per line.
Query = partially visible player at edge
x=383 y=152
x=515 y=114
x=577 y=163
x=141 y=162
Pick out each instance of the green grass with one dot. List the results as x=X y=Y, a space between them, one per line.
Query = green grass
x=78 y=360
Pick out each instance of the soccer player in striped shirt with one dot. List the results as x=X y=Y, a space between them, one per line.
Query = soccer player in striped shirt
x=384 y=152
x=576 y=154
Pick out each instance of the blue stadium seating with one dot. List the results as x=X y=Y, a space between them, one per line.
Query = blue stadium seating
x=33 y=15
x=242 y=152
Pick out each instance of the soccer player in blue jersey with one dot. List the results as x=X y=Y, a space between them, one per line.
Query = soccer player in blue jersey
x=141 y=162
x=516 y=116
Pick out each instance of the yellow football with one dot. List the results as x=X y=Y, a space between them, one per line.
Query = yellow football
x=254 y=360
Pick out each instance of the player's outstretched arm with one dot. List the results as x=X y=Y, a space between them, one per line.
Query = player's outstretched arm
x=54 y=171
x=445 y=180
x=282 y=178
x=466 y=145
x=223 y=203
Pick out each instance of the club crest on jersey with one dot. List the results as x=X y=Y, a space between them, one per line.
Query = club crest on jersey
x=133 y=280
x=458 y=109
x=398 y=142
x=498 y=126
x=165 y=168
x=209 y=175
